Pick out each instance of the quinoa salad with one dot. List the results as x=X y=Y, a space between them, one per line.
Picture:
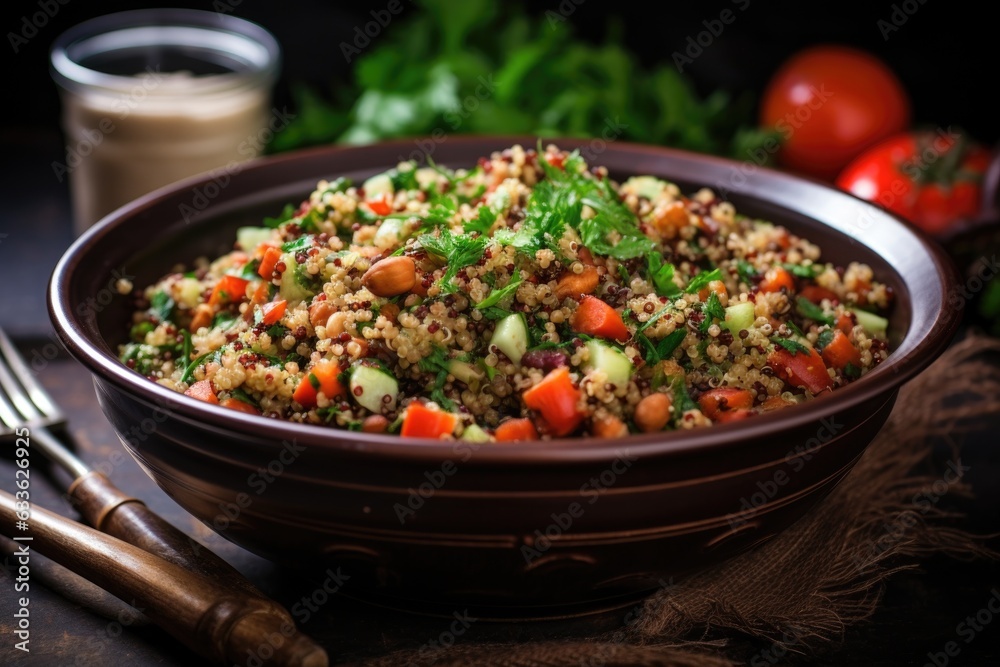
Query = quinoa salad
x=527 y=297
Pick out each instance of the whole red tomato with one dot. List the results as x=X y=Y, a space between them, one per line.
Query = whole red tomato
x=932 y=179
x=830 y=103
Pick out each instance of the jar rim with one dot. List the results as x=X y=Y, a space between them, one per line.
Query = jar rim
x=249 y=50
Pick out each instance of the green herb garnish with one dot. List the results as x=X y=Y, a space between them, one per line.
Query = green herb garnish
x=459 y=251
x=286 y=214
x=161 y=306
x=712 y=310
x=802 y=271
x=807 y=308
x=662 y=275
x=702 y=280
x=792 y=346
x=304 y=242
x=498 y=295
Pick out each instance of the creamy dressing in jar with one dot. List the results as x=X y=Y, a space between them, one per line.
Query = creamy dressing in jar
x=154 y=96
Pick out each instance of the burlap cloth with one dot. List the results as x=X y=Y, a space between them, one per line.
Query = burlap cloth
x=802 y=589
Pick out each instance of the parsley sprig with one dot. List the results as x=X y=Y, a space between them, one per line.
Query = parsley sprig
x=458 y=251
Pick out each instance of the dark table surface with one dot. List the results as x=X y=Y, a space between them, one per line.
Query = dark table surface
x=921 y=612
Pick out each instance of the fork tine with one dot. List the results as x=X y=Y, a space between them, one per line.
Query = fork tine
x=9 y=419
x=40 y=404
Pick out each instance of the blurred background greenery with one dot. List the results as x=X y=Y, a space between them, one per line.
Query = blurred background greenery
x=481 y=67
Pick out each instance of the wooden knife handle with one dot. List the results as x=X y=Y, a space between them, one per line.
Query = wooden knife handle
x=110 y=510
x=219 y=622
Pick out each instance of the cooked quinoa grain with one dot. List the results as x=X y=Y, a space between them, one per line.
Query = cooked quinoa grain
x=528 y=297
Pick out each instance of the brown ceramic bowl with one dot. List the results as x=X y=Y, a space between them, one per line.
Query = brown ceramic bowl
x=524 y=529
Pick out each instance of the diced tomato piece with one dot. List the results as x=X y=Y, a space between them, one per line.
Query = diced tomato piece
x=555 y=398
x=380 y=205
x=321 y=377
x=673 y=218
x=260 y=296
x=816 y=294
x=424 y=422
x=775 y=403
x=802 y=369
x=273 y=311
x=845 y=323
x=775 y=278
x=558 y=160
x=608 y=426
x=240 y=406
x=202 y=390
x=733 y=416
x=516 y=429
x=574 y=284
x=596 y=318
x=716 y=286
x=229 y=289
x=268 y=262
x=715 y=402
x=839 y=352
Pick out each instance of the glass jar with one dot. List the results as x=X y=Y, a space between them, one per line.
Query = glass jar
x=153 y=96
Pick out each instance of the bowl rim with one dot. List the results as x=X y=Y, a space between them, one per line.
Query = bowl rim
x=887 y=377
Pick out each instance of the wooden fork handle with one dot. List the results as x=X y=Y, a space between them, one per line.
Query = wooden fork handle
x=221 y=623
x=110 y=510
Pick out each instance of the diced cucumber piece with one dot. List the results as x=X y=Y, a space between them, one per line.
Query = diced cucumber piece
x=610 y=360
x=465 y=372
x=374 y=384
x=248 y=238
x=473 y=433
x=392 y=232
x=872 y=323
x=188 y=292
x=291 y=288
x=511 y=337
x=739 y=316
x=645 y=186
x=378 y=185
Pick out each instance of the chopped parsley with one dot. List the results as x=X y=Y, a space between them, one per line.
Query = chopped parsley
x=438 y=362
x=483 y=223
x=139 y=331
x=405 y=179
x=802 y=271
x=662 y=350
x=442 y=212
x=304 y=242
x=792 y=346
x=494 y=313
x=286 y=214
x=241 y=395
x=807 y=308
x=654 y=319
x=746 y=271
x=825 y=338
x=702 y=280
x=161 y=306
x=498 y=295
x=458 y=250
x=249 y=270
x=339 y=185
x=713 y=310
x=682 y=399
x=662 y=275
x=199 y=361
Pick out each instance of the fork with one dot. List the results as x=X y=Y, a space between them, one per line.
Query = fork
x=24 y=403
